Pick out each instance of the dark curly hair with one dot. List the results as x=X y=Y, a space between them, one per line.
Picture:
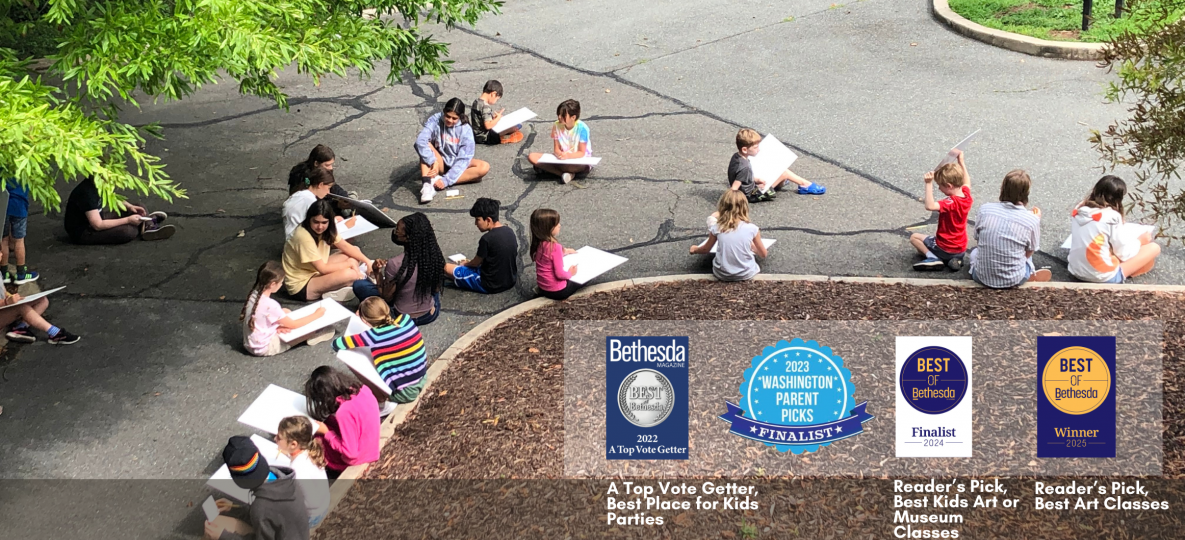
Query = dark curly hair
x=421 y=256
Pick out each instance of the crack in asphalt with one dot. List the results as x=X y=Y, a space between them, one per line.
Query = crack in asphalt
x=692 y=109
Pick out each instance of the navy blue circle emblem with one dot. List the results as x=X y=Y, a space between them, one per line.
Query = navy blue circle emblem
x=933 y=380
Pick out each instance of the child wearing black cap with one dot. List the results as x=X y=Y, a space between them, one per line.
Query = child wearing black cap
x=277 y=502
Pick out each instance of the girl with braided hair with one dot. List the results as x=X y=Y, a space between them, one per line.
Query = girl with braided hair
x=264 y=320
x=411 y=282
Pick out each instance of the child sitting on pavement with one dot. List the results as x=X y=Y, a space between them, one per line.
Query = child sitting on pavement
x=946 y=246
x=495 y=267
x=484 y=118
x=570 y=140
x=738 y=240
x=1008 y=234
x=1103 y=247
x=740 y=173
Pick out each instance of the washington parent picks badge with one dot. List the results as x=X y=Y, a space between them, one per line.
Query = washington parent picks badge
x=797 y=396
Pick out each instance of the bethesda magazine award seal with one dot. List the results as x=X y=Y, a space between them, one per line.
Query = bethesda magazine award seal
x=1076 y=397
x=934 y=398
x=797 y=397
x=646 y=397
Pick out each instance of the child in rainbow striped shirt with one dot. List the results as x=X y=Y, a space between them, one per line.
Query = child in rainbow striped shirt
x=397 y=347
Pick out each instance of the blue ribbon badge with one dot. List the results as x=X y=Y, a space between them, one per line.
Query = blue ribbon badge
x=797 y=397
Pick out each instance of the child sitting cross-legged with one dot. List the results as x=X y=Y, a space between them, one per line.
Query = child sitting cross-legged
x=397 y=346
x=264 y=321
x=946 y=246
x=737 y=240
x=1103 y=247
x=570 y=140
x=1008 y=235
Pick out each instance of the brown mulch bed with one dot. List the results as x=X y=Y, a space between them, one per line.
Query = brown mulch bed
x=496 y=415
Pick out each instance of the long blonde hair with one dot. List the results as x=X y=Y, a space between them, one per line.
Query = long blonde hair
x=299 y=430
x=733 y=208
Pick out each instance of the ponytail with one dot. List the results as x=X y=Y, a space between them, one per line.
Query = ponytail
x=299 y=430
x=376 y=312
x=268 y=273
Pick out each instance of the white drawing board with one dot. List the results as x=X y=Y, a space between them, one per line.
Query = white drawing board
x=550 y=158
x=591 y=262
x=35 y=297
x=222 y=481
x=772 y=159
x=951 y=156
x=513 y=119
x=360 y=360
x=361 y=227
x=334 y=313
x=766 y=241
x=274 y=404
x=367 y=210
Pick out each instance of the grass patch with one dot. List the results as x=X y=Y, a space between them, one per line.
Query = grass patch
x=1058 y=20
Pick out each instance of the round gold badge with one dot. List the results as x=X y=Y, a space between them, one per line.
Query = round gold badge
x=1076 y=380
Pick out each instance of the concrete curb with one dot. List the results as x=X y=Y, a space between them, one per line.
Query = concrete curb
x=1015 y=42
x=342 y=486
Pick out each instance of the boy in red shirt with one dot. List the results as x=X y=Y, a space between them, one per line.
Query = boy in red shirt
x=948 y=244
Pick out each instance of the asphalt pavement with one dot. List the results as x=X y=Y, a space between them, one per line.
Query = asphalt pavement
x=870 y=94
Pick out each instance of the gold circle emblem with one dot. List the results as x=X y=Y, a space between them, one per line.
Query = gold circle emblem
x=1076 y=380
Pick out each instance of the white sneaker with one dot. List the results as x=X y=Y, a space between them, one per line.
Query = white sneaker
x=387 y=408
x=344 y=294
x=566 y=177
x=427 y=193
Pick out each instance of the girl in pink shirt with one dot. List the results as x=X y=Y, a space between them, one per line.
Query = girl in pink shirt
x=553 y=280
x=347 y=416
x=264 y=321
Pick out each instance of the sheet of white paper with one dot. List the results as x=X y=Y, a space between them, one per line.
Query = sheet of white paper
x=361 y=360
x=452 y=193
x=365 y=208
x=591 y=262
x=222 y=481
x=361 y=227
x=457 y=258
x=950 y=156
x=35 y=296
x=273 y=405
x=334 y=313
x=767 y=241
x=513 y=119
x=550 y=158
x=1068 y=242
x=772 y=159
x=362 y=364
x=210 y=508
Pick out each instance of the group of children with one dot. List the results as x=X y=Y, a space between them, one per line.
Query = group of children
x=1103 y=248
x=447 y=143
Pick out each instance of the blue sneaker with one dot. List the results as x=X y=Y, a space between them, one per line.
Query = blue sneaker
x=24 y=276
x=813 y=189
x=8 y=277
x=931 y=263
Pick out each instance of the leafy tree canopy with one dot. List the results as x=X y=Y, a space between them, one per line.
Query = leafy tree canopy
x=107 y=51
x=1149 y=61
